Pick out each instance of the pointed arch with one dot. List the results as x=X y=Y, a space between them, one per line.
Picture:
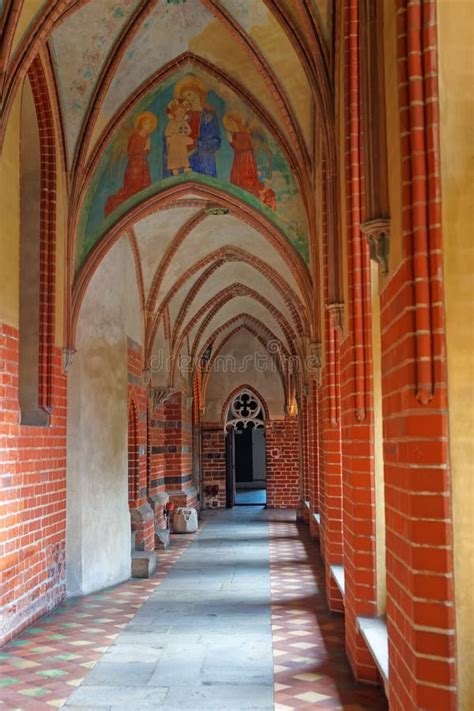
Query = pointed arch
x=233 y=395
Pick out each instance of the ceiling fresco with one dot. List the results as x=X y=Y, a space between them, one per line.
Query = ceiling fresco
x=262 y=26
x=165 y=34
x=196 y=118
x=88 y=40
x=80 y=54
x=192 y=127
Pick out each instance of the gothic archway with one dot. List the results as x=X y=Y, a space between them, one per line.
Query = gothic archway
x=245 y=449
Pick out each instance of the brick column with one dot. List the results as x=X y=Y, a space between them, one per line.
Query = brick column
x=177 y=445
x=213 y=464
x=420 y=599
x=157 y=495
x=313 y=455
x=142 y=518
x=283 y=463
x=359 y=557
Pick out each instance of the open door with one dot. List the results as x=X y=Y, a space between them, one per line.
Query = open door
x=230 y=469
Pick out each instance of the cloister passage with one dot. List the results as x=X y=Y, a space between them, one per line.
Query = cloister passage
x=235 y=618
x=236 y=274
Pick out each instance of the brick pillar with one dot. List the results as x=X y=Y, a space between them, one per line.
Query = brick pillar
x=303 y=511
x=283 y=463
x=142 y=518
x=177 y=445
x=420 y=599
x=213 y=464
x=313 y=456
x=359 y=556
x=157 y=495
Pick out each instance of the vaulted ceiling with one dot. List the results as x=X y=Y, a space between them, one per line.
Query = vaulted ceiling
x=221 y=241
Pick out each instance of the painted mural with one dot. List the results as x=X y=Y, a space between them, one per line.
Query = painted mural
x=167 y=32
x=193 y=127
x=80 y=55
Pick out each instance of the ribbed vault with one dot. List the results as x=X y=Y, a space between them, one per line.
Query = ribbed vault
x=219 y=253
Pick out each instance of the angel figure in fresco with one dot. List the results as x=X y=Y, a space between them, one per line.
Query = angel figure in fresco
x=205 y=131
x=261 y=150
x=134 y=144
x=178 y=136
x=244 y=167
x=244 y=172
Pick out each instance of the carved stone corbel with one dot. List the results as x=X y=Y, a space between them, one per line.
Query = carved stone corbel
x=336 y=315
x=314 y=361
x=68 y=355
x=377 y=234
x=160 y=395
x=291 y=409
x=217 y=210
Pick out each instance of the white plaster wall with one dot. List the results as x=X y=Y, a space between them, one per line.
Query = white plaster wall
x=266 y=382
x=98 y=520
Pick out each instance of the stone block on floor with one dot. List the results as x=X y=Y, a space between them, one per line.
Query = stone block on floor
x=185 y=520
x=162 y=538
x=143 y=564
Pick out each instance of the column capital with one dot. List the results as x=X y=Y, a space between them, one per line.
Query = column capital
x=377 y=234
x=336 y=316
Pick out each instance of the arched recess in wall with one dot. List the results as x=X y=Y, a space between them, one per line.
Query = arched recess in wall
x=37 y=248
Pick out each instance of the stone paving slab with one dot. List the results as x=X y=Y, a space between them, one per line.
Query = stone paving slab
x=203 y=639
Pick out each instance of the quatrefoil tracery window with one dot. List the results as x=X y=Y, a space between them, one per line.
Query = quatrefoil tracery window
x=245 y=410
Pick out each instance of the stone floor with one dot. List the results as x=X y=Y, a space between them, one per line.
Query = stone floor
x=199 y=635
x=245 y=497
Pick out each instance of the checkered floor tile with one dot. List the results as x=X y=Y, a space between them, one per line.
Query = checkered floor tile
x=41 y=667
x=310 y=665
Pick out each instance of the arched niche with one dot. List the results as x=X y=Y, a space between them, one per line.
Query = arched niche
x=30 y=263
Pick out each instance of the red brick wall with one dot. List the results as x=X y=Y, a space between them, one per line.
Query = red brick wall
x=213 y=461
x=329 y=435
x=33 y=501
x=283 y=463
x=313 y=455
x=420 y=599
x=157 y=462
x=420 y=606
x=359 y=555
x=177 y=443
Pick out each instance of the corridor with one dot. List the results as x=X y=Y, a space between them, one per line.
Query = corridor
x=200 y=634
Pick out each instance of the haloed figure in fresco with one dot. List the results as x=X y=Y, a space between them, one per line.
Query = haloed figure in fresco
x=178 y=136
x=136 y=149
x=205 y=133
x=246 y=145
x=244 y=168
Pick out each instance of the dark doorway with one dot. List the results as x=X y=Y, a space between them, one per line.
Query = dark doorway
x=245 y=452
x=250 y=477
